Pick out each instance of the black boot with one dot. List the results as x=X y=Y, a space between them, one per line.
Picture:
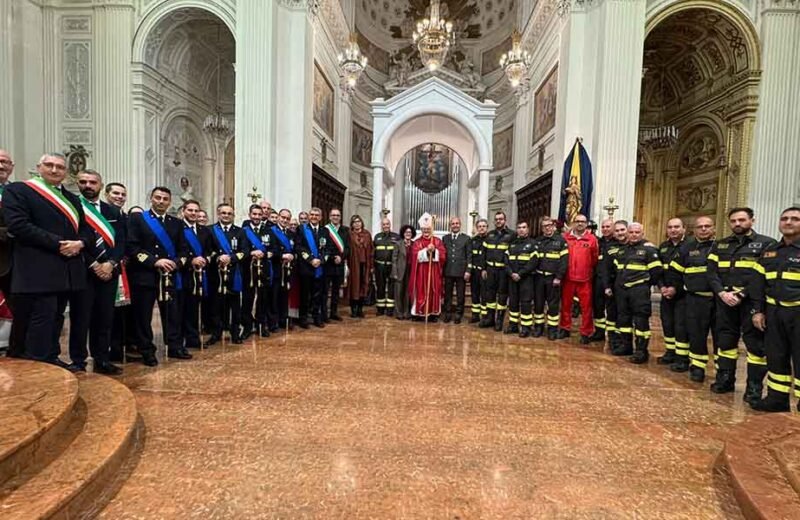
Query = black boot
x=697 y=374
x=598 y=336
x=380 y=311
x=538 y=330
x=680 y=364
x=624 y=346
x=640 y=355
x=512 y=328
x=390 y=312
x=772 y=403
x=488 y=321
x=446 y=318
x=755 y=382
x=360 y=309
x=614 y=342
x=725 y=382
x=475 y=318
x=524 y=332
x=498 y=321
x=560 y=333
x=459 y=318
x=551 y=333
x=668 y=358
x=353 y=309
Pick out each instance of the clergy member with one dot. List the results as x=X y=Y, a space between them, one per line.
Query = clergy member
x=428 y=256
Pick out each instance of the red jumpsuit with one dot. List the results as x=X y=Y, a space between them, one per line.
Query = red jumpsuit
x=583 y=253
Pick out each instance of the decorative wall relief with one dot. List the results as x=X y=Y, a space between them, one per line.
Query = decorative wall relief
x=503 y=149
x=697 y=199
x=702 y=152
x=323 y=101
x=77 y=79
x=76 y=24
x=544 y=106
x=362 y=145
x=77 y=136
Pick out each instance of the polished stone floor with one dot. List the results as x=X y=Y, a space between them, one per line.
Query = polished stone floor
x=385 y=419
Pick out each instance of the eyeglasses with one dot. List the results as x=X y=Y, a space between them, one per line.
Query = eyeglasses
x=7 y=162
x=54 y=166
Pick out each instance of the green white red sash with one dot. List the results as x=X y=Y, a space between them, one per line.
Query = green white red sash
x=337 y=240
x=98 y=222
x=56 y=198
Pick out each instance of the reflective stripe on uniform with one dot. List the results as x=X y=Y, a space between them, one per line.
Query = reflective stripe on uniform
x=752 y=359
x=681 y=348
x=729 y=354
x=642 y=333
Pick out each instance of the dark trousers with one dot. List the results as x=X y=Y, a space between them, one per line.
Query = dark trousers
x=635 y=308
x=783 y=351
x=42 y=315
x=599 y=305
x=311 y=298
x=279 y=298
x=122 y=331
x=495 y=289
x=673 y=321
x=189 y=308
x=731 y=324
x=520 y=299
x=16 y=341
x=700 y=311
x=476 y=293
x=402 y=302
x=92 y=316
x=142 y=300
x=460 y=286
x=333 y=283
x=226 y=312
x=545 y=293
x=611 y=317
x=385 y=287
x=250 y=299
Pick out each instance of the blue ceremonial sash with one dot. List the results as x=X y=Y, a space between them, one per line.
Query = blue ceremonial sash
x=312 y=245
x=197 y=249
x=258 y=244
x=282 y=238
x=161 y=235
x=226 y=247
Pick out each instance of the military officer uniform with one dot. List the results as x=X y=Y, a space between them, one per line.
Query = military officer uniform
x=673 y=310
x=226 y=284
x=313 y=243
x=282 y=240
x=495 y=287
x=384 y=244
x=521 y=259
x=553 y=256
x=476 y=265
x=256 y=280
x=732 y=266
x=196 y=288
x=458 y=257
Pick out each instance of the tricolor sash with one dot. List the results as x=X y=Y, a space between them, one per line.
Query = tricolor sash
x=56 y=198
x=258 y=244
x=197 y=250
x=312 y=245
x=123 y=296
x=99 y=223
x=228 y=250
x=163 y=238
x=337 y=240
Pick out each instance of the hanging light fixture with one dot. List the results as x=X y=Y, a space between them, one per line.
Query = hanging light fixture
x=215 y=123
x=516 y=62
x=661 y=136
x=433 y=38
x=352 y=63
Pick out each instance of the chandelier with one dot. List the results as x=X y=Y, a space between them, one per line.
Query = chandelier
x=516 y=62
x=433 y=38
x=661 y=136
x=215 y=123
x=352 y=63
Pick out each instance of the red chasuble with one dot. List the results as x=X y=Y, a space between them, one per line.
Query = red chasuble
x=418 y=279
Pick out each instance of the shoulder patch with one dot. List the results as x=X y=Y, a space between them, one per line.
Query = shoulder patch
x=770 y=254
x=694 y=253
x=722 y=245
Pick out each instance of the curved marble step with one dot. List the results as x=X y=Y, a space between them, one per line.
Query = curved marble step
x=762 y=455
x=36 y=403
x=101 y=432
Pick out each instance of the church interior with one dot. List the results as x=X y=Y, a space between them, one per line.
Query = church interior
x=685 y=108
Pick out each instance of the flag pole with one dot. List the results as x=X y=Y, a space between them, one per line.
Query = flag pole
x=430 y=269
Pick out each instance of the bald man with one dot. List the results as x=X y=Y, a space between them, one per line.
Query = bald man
x=673 y=297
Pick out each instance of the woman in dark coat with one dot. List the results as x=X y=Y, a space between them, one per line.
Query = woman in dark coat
x=359 y=263
x=401 y=265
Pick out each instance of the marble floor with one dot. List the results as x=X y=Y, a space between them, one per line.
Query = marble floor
x=385 y=419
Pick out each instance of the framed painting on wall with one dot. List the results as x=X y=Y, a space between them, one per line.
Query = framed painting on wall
x=503 y=149
x=544 y=106
x=323 y=101
x=362 y=145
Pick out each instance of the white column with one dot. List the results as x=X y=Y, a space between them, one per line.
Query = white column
x=522 y=145
x=209 y=182
x=113 y=122
x=51 y=67
x=255 y=100
x=377 y=199
x=483 y=193
x=776 y=155
x=6 y=79
x=294 y=97
x=344 y=140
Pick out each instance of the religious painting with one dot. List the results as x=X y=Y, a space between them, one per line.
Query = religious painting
x=323 y=101
x=377 y=58
x=362 y=145
x=490 y=61
x=430 y=170
x=544 y=106
x=503 y=149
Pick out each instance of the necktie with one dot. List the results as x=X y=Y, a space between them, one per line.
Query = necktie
x=225 y=228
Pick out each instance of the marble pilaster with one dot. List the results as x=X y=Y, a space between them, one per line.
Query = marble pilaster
x=6 y=80
x=522 y=139
x=775 y=182
x=377 y=198
x=483 y=193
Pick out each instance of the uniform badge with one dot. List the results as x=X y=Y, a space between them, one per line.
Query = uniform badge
x=722 y=246
x=641 y=252
x=756 y=245
x=770 y=254
x=141 y=257
x=663 y=249
x=694 y=253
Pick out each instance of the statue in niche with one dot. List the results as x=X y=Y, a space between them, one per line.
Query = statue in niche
x=399 y=67
x=186 y=186
x=701 y=153
x=467 y=69
x=498 y=184
x=574 y=196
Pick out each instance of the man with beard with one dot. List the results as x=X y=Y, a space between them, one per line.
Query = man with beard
x=335 y=266
x=92 y=310
x=521 y=261
x=256 y=274
x=122 y=326
x=195 y=275
x=495 y=279
x=732 y=268
x=551 y=269
x=475 y=267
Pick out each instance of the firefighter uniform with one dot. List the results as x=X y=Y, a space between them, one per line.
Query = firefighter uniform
x=384 y=246
x=521 y=259
x=777 y=290
x=673 y=310
x=495 y=287
x=553 y=260
x=613 y=252
x=732 y=266
x=598 y=296
x=476 y=266
x=689 y=270
x=637 y=267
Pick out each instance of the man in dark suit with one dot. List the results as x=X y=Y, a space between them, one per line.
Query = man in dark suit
x=50 y=232
x=459 y=255
x=256 y=275
x=122 y=327
x=282 y=240
x=92 y=310
x=229 y=248
x=334 y=267
x=156 y=250
x=313 y=248
x=16 y=340
x=195 y=290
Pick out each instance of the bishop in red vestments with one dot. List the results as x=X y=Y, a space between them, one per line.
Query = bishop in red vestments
x=428 y=256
